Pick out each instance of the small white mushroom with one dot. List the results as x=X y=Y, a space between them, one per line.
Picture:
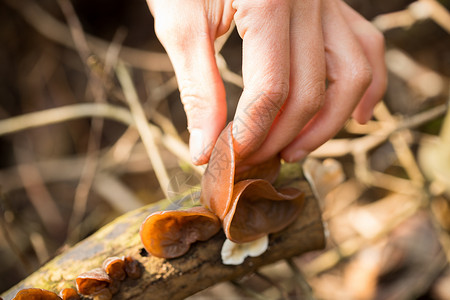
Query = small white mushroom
x=235 y=254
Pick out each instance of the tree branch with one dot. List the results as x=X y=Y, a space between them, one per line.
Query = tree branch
x=177 y=278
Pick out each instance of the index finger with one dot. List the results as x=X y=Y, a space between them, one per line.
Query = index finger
x=264 y=28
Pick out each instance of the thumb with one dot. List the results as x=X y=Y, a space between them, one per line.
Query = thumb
x=191 y=51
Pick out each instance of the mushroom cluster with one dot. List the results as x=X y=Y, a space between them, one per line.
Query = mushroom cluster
x=102 y=283
x=245 y=204
x=99 y=283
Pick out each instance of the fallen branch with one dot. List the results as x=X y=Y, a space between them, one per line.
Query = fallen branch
x=177 y=278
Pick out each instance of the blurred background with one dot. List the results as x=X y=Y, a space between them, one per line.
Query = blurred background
x=70 y=162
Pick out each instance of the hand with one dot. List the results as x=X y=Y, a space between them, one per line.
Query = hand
x=290 y=49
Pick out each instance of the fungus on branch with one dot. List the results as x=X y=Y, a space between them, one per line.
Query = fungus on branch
x=169 y=234
x=132 y=267
x=94 y=283
x=36 y=294
x=115 y=268
x=235 y=254
x=251 y=208
x=69 y=294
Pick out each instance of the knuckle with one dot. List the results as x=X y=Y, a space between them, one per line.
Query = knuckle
x=363 y=76
x=313 y=97
x=359 y=74
x=378 y=38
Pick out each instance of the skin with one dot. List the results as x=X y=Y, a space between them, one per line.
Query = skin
x=291 y=48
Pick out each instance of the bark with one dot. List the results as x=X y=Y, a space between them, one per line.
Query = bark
x=176 y=278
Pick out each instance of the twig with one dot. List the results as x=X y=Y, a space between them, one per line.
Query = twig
x=118 y=195
x=341 y=147
x=416 y=11
x=39 y=195
x=65 y=113
x=143 y=128
x=305 y=288
x=334 y=256
x=280 y=289
x=249 y=291
x=406 y=157
x=438 y=13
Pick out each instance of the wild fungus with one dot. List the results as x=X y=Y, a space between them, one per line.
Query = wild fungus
x=36 y=294
x=93 y=282
x=132 y=267
x=251 y=208
x=115 y=268
x=69 y=294
x=169 y=234
x=235 y=254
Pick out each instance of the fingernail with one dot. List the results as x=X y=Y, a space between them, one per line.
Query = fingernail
x=295 y=155
x=197 y=146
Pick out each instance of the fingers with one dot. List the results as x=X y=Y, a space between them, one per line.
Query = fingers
x=307 y=80
x=348 y=73
x=372 y=43
x=264 y=28
x=188 y=40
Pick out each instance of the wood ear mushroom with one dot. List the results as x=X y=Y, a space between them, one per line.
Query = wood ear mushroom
x=36 y=294
x=248 y=208
x=169 y=234
x=69 y=294
x=94 y=283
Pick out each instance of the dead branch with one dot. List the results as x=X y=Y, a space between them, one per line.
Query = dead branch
x=177 y=278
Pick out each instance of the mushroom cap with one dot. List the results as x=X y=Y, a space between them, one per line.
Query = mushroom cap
x=132 y=267
x=259 y=209
x=69 y=294
x=91 y=282
x=169 y=234
x=36 y=294
x=248 y=208
x=115 y=267
x=217 y=181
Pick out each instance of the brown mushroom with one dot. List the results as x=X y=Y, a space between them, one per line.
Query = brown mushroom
x=169 y=234
x=249 y=208
x=132 y=267
x=36 y=294
x=115 y=268
x=93 y=282
x=69 y=294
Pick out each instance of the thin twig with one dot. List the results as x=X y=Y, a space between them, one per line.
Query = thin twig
x=143 y=128
x=96 y=87
x=65 y=113
x=307 y=292
x=38 y=194
x=280 y=289
x=341 y=147
x=249 y=291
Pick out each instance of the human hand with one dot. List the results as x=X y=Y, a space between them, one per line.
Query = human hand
x=290 y=49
